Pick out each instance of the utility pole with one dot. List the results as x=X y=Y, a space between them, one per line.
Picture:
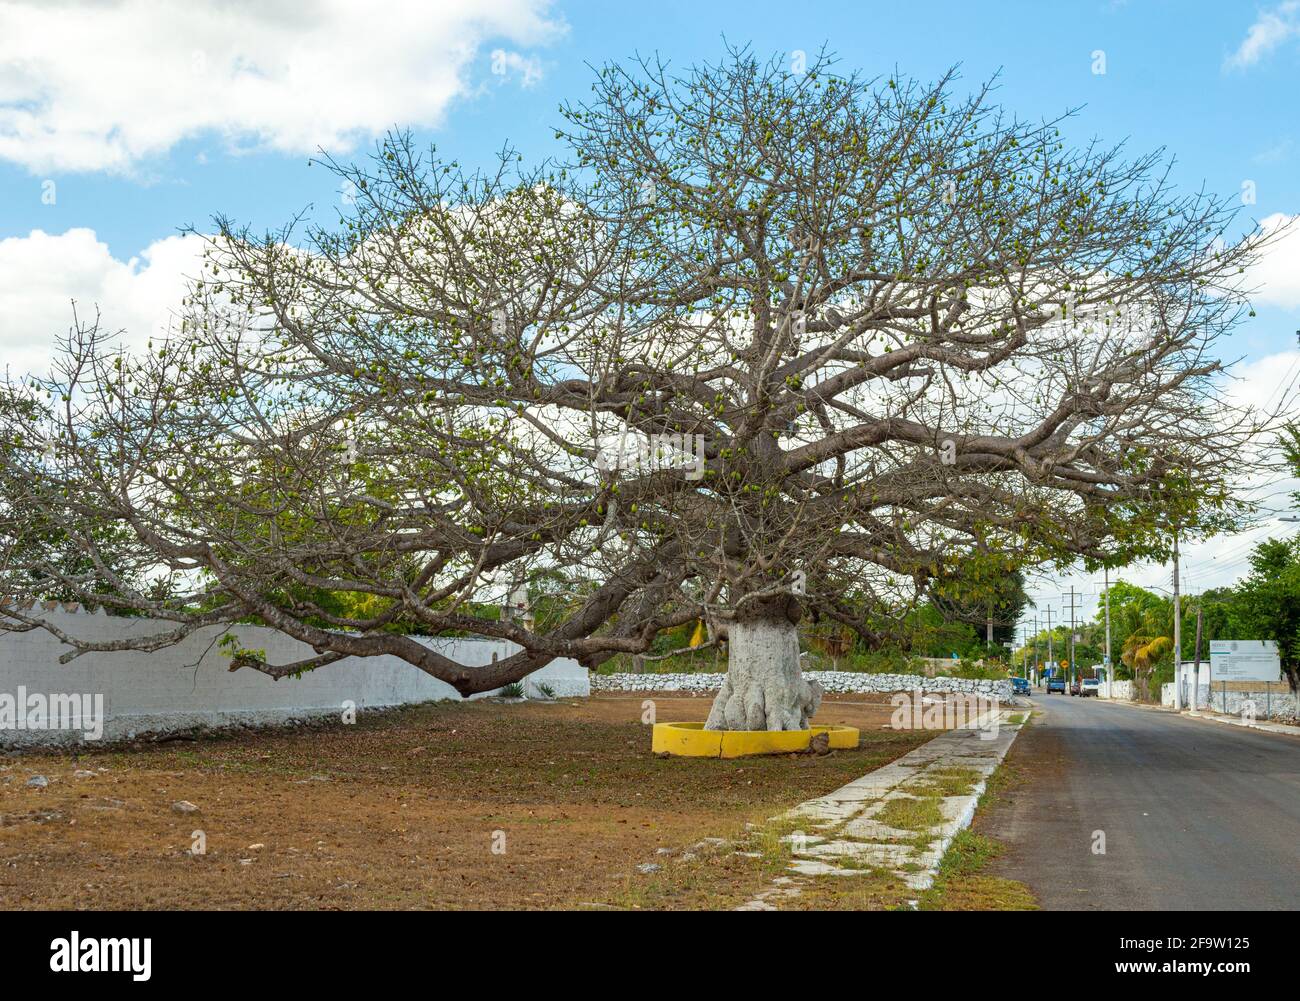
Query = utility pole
x=1196 y=684
x=1073 y=667
x=1178 y=631
x=1110 y=670
x=1051 y=657
x=1035 y=649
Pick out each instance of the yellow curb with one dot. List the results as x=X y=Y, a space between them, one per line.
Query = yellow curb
x=691 y=740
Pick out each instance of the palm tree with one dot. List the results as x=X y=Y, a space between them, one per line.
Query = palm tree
x=1150 y=630
x=1141 y=654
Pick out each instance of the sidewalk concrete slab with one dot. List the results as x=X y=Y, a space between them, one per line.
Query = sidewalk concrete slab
x=840 y=834
x=1212 y=717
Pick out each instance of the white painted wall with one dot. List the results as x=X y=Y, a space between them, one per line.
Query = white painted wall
x=190 y=684
x=1264 y=703
x=1199 y=687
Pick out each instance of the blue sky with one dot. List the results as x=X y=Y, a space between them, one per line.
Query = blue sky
x=1165 y=84
x=120 y=124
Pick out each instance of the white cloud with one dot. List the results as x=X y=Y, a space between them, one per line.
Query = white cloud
x=1264 y=383
x=40 y=275
x=1277 y=275
x=89 y=85
x=1271 y=28
x=527 y=68
x=1268 y=384
x=1279 y=152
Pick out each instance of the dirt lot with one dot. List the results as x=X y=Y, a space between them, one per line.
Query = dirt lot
x=404 y=810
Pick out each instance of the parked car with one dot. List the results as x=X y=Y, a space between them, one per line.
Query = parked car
x=1020 y=686
x=1055 y=685
x=1074 y=688
x=1089 y=686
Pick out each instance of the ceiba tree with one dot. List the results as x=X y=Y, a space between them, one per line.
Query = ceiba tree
x=767 y=343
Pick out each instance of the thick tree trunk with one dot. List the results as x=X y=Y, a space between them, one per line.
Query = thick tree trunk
x=764 y=688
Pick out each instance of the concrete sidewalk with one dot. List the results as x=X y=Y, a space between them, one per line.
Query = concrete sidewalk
x=843 y=837
x=1266 y=725
x=1213 y=717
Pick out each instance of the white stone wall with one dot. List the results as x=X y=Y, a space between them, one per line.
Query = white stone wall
x=1119 y=690
x=1267 y=705
x=190 y=684
x=832 y=681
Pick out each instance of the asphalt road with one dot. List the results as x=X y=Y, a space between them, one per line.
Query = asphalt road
x=1196 y=815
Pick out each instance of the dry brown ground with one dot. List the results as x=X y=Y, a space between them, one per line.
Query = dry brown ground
x=400 y=811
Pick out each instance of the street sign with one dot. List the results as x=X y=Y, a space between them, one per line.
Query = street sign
x=1245 y=660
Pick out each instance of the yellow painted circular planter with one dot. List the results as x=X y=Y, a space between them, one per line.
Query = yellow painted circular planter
x=691 y=740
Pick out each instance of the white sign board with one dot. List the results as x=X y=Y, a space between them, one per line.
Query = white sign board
x=1245 y=660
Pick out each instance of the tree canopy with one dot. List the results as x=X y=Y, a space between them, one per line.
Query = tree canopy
x=766 y=339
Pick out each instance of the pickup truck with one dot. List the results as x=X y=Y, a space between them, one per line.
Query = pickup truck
x=1088 y=687
x=1055 y=685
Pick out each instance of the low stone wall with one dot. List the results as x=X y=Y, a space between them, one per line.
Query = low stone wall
x=1121 y=691
x=831 y=681
x=1265 y=704
x=190 y=685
